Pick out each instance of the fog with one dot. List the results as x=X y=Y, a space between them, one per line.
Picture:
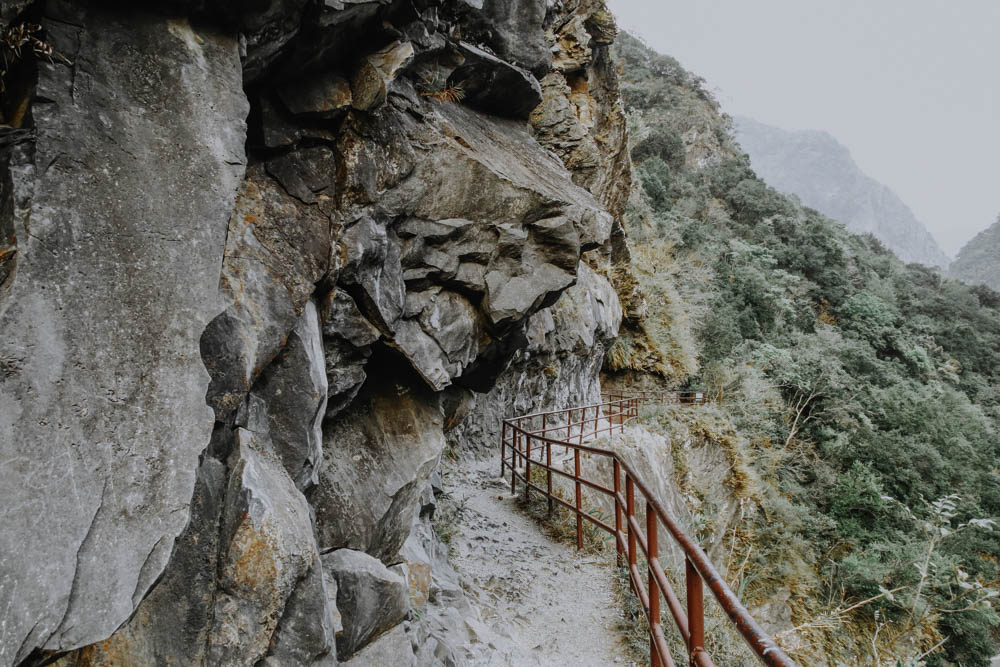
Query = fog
x=911 y=87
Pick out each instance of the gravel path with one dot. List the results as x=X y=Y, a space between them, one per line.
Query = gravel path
x=549 y=603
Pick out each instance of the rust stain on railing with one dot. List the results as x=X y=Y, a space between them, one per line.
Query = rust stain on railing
x=527 y=435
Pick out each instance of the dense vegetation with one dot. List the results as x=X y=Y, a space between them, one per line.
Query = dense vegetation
x=865 y=390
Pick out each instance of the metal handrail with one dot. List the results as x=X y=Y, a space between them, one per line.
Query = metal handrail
x=521 y=434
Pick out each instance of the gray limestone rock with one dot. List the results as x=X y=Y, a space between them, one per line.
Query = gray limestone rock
x=342 y=319
x=372 y=266
x=371 y=598
x=370 y=81
x=495 y=86
x=345 y=372
x=172 y=623
x=322 y=96
x=560 y=366
x=277 y=249
x=306 y=634
x=268 y=558
x=513 y=29
x=294 y=390
x=392 y=648
x=100 y=328
x=377 y=457
x=385 y=253
x=484 y=195
x=347 y=341
x=443 y=336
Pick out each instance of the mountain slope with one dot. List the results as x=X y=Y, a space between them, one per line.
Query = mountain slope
x=820 y=171
x=978 y=262
x=855 y=398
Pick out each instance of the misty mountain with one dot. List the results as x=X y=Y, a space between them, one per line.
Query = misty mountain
x=819 y=170
x=978 y=262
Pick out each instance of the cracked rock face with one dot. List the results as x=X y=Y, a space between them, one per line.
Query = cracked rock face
x=268 y=553
x=100 y=329
x=378 y=456
x=235 y=327
x=559 y=368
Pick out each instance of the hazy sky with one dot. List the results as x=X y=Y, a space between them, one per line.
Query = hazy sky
x=911 y=87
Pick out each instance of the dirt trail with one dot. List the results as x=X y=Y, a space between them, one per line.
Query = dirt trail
x=550 y=604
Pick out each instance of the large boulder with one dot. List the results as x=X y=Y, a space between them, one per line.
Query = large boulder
x=513 y=29
x=494 y=85
x=268 y=561
x=171 y=625
x=139 y=153
x=371 y=598
x=479 y=233
x=294 y=391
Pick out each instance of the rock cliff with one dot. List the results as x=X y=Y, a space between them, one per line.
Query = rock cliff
x=976 y=263
x=258 y=267
x=817 y=168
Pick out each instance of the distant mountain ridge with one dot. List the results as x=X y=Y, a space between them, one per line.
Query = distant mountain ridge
x=978 y=262
x=819 y=170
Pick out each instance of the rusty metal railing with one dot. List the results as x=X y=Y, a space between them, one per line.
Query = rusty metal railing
x=527 y=435
x=659 y=396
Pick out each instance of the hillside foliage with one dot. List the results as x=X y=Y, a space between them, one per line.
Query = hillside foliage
x=866 y=391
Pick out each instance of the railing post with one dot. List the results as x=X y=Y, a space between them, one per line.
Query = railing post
x=630 y=513
x=583 y=423
x=548 y=481
x=544 y=427
x=654 y=591
x=579 y=499
x=696 y=612
x=503 y=447
x=527 y=467
x=618 y=512
x=513 y=461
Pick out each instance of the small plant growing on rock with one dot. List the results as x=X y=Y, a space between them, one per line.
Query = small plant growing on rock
x=438 y=89
x=18 y=40
x=453 y=94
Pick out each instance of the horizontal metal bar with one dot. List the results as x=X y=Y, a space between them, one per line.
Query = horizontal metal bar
x=549 y=413
x=676 y=610
x=638 y=588
x=563 y=443
x=666 y=660
x=593 y=519
x=535 y=463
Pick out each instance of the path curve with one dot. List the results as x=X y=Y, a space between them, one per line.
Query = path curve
x=557 y=606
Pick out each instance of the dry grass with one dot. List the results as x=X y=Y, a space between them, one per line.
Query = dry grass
x=452 y=94
x=561 y=524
